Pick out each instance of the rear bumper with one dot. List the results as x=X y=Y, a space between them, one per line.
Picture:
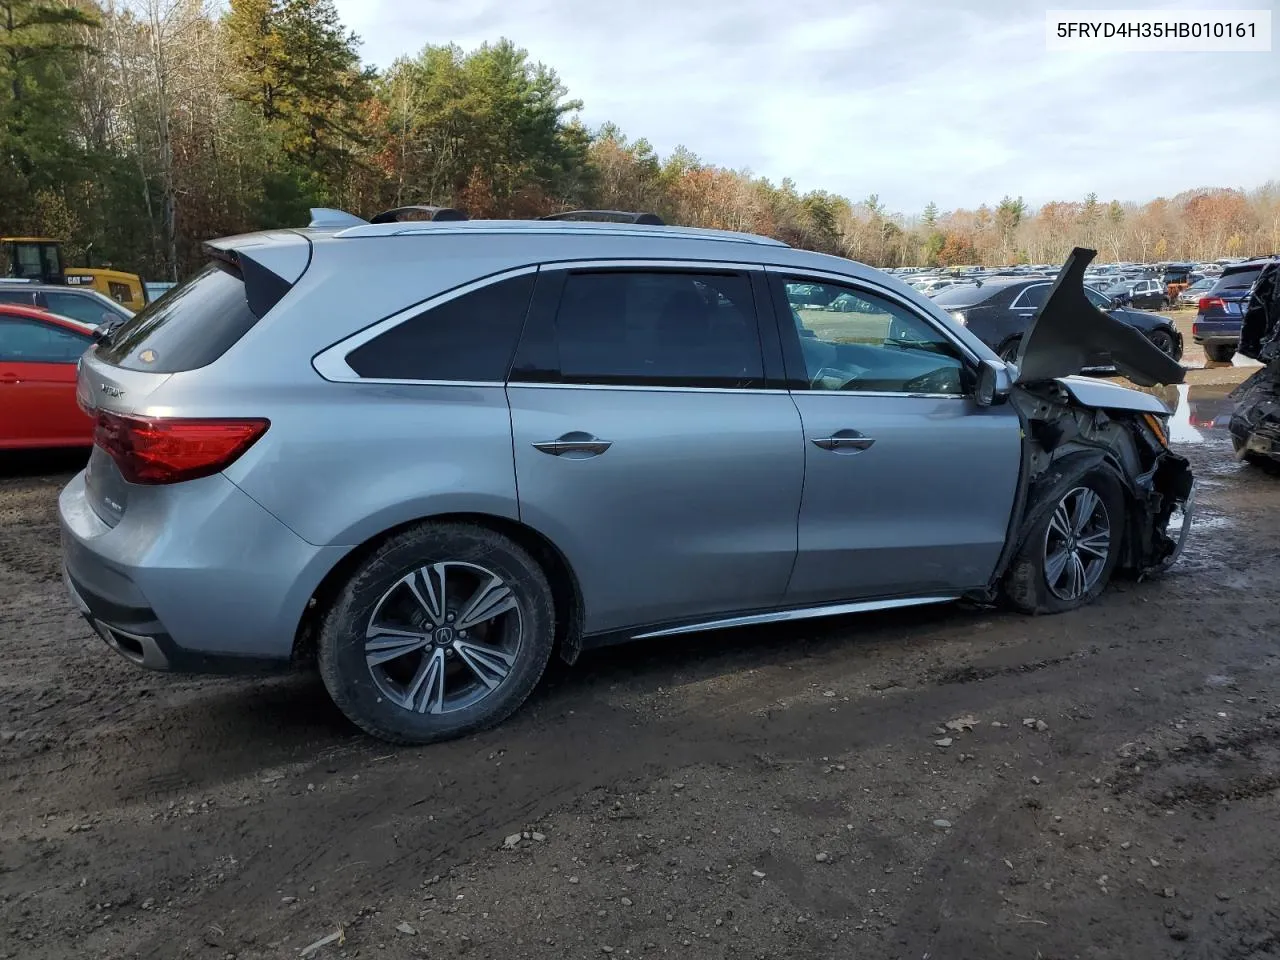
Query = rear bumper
x=137 y=635
x=196 y=577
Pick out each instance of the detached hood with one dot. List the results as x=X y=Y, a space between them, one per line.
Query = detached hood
x=1069 y=332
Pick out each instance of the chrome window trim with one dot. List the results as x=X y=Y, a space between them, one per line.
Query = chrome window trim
x=801 y=613
x=331 y=362
x=1023 y=293
x=647 y=263
x=634 y=387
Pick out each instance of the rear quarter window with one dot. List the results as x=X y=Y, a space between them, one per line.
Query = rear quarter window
x=193 y=326
x=471 y=337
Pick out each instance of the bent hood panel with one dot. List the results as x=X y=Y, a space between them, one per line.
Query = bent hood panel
x=1105 y=395
x=1069 y=332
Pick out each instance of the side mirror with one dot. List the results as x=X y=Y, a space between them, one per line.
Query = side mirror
x=994 y=382
x=108 y=318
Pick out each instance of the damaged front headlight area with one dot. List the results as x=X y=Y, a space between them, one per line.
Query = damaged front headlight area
x=1067 y=438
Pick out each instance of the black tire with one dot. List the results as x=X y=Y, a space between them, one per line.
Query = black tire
x=1026 y=584
x=1164 y=303
x=365 y=700
x=1219 y=352
x=1009 y=350
x=1165 y=341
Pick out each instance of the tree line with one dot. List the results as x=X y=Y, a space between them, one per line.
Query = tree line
x=136 y=129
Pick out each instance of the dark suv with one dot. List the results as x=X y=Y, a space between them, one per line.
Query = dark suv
x=1221 y=310
x=1000 y=310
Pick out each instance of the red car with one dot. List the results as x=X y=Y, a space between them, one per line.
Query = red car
x=38 y=354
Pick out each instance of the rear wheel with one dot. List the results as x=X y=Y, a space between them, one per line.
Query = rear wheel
x=1219 y=352
x=443 y=631
x=1069 y=555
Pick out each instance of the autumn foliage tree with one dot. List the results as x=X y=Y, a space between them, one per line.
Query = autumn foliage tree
x=136 y=129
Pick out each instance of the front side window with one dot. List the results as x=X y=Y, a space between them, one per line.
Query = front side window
x=864 y=342
x=656 y=328
x=470 y=337
x=30 y=341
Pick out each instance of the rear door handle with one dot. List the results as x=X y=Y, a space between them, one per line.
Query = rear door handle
x=843 y=441
x=9 y=378
x=576 y=446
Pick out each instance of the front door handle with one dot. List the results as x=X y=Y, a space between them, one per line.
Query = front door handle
x=575 y=446
x=843 y=441
x=9 y=378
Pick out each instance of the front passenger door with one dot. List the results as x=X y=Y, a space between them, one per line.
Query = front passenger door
x=909 y=485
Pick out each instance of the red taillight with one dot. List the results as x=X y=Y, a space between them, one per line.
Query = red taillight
x=160 y=450
x=1208 y=303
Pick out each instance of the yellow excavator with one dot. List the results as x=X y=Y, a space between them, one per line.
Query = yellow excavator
x=39 y=260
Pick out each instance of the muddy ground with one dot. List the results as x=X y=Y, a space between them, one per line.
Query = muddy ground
x=1111 y=787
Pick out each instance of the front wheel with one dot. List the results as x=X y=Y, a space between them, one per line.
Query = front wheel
x=1165 y=341
x=1069 y=555
x=444 y=630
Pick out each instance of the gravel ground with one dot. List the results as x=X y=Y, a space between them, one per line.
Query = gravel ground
x=944 y=783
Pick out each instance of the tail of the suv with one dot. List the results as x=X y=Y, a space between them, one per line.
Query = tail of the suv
x=1221 y=311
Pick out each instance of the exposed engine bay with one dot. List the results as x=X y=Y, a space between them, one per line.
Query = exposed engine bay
x=1255 y=422
x=1074 y=427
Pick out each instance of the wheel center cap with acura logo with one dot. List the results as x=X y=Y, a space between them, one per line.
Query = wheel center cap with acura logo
x=443 y=635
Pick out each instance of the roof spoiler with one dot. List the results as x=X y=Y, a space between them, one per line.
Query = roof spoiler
x=609 y=216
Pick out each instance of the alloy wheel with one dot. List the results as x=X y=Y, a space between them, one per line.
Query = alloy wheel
x=1077 y=544
x=1161 y=339
x=443 y=637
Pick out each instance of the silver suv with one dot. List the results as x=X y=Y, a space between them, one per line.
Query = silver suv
x=435 y=453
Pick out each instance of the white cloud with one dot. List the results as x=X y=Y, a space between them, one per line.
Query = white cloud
x=914 y=101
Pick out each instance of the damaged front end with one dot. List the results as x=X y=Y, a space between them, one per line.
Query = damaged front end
x=1255 y=422
x=1075 y=426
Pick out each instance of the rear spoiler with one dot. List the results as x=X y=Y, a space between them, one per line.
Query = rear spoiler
x=268 y=263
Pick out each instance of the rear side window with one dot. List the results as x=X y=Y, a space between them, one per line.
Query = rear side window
x=1033 y=297
x=192 y=327
x=659 y=329
x=1240 y=280
x=469 y=337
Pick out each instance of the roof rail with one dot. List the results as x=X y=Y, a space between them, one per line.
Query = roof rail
x=324 y=217
x=609 y=216
x=412 y=213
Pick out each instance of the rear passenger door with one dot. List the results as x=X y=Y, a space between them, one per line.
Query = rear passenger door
x=655 y=442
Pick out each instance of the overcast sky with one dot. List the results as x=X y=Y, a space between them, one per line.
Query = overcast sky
x=916 y=101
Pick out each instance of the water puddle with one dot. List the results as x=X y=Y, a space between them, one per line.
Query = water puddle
x=1201 y=414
